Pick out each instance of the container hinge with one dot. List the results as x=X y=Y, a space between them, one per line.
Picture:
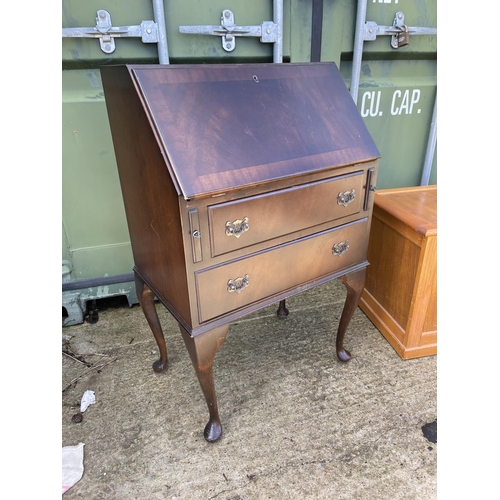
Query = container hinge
x=104 y=31
x=399 y=32
x=267 y=31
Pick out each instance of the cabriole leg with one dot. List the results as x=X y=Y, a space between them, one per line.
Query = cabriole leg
x=202 y=350
x=354 y=282
x=146 y=299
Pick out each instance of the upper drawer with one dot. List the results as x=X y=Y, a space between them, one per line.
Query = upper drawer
x=227 y=287
x=252 y=220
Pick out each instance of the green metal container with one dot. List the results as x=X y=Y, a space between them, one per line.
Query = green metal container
x=396 y=98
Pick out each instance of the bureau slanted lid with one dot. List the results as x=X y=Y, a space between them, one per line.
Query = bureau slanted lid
x=222 y=127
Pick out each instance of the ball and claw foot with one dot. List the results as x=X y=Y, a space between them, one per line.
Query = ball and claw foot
x=213 y=431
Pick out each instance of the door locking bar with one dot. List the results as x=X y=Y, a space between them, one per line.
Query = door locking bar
x=400 y=33
x=228 y=30
x=106 y=33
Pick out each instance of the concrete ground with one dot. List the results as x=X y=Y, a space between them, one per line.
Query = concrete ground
x=297 y=424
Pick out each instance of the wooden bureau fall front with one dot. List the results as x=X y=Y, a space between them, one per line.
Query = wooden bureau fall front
x=243 y=185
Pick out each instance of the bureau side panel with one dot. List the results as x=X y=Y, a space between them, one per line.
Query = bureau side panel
x=150 y=198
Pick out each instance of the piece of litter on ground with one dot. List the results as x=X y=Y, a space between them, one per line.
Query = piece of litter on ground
x=72 y=465
x=88 y=399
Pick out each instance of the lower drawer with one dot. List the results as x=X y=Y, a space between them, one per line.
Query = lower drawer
x=240 y=282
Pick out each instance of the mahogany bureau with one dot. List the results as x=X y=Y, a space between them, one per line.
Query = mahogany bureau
x=243 y=185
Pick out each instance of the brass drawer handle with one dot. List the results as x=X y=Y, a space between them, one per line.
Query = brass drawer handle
x=341 y=248
x=238 y=285
x=346 y=197
x=237 y=227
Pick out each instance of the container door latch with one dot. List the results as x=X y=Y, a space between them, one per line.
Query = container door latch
x=104 y=31
x=267 y=31
x=399 y=32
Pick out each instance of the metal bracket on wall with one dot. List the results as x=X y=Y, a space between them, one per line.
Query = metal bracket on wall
x=368 y=31
x=267 y=31
x=398 y=28
x=104 y=31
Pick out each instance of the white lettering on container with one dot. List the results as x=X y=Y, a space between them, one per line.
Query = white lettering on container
x=371 y=108
x=402 y=103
